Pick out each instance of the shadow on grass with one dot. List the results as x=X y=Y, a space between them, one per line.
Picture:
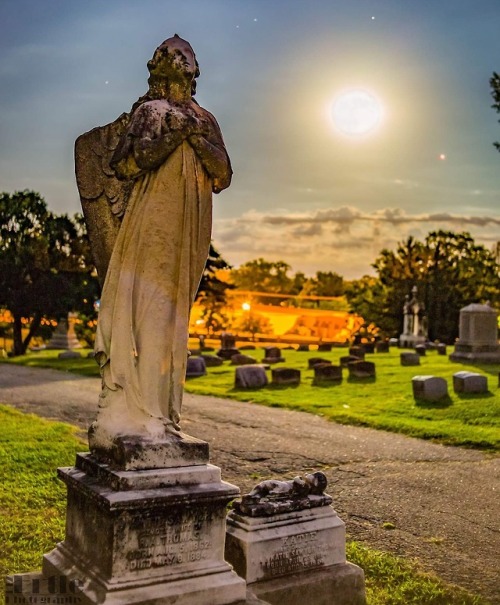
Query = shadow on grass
x=326 y=384
x=362 y=380
x=445 y=402
x=474 y=396
x=491 y=369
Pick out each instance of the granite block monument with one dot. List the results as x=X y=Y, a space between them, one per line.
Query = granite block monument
x=478 y=335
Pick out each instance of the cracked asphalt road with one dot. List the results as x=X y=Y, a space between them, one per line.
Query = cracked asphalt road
x=442 y=501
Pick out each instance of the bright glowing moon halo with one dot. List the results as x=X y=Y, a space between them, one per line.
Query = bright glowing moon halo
x=356 y=112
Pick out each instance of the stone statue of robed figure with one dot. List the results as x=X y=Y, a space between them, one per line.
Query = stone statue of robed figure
x=146 y=183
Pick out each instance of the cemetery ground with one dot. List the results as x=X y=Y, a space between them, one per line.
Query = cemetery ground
x=424 y=501
x=386 y=403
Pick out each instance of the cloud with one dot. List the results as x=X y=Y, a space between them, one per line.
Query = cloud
x=345 y=239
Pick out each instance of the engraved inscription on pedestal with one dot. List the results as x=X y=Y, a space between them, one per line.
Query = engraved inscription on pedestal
x=295 y=553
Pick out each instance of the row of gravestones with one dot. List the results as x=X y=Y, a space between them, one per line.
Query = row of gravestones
x=253 y=375
x=435 y=388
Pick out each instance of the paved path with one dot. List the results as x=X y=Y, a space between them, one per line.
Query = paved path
x=443 y=501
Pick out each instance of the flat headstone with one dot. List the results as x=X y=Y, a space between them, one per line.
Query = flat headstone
x=303 y=348
x=441 y=349
x=69 y=355
x=347 y=359
x=393 y=342
x=409 y=359
x=195 y=367
x=420 y=350
x=314 y=361
x=242 y=360
x=357 y=351
x=247 y=348
x=429 y=388
x=327 y=373
x=250 y=377
x=361 y=369
x=382 y=346
x=469 y=382
x=285 y=376
x=212 y=361
x=324 y=347
x=369 y=347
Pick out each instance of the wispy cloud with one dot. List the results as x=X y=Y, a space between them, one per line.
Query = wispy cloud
x=345 y=239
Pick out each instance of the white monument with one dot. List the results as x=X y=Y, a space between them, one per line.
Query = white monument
x=478 y=335
x=415 y=322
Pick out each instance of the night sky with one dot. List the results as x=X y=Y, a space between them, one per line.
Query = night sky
x=303 y=190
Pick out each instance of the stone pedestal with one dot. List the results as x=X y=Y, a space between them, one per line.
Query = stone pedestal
x=146 y=536
x=294 y=558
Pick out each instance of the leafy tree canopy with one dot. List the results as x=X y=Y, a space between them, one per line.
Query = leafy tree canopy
x=45 y=266
x=495 y=93
x=450 y=271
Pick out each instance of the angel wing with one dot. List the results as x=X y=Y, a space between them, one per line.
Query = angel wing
x=103 y=196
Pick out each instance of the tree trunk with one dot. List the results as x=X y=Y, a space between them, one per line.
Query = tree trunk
x=17 y=335
x=35 y=324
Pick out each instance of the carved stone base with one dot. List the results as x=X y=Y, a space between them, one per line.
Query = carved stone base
x=467 y=353
x=154 y=536
x=295 y=558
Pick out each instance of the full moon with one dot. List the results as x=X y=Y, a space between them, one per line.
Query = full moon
x=356 y=113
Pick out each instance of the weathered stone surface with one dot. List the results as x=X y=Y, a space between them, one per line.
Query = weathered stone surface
x=414 y=322
x=250 y=377
x=69 y=355
x=345 y=360
x=420 y=350
x=340 y=584
x=64 y=336
x=212 y=361
x=441 y=348
x=361 y=369
x=242 y=360
x=264 y=548
x=159 y=537
x=327 y=373
x=195 y=367
x=273 y=497
x=130 y=453
x=357 y=351
x=382 y=346
x=469 y=382
x=314 y=361
x=324 y=347
x=409 y=359
x=285 y=376
x=429 y=388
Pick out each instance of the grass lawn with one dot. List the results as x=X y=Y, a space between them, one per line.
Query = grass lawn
x=386 y=403
x=32 y=504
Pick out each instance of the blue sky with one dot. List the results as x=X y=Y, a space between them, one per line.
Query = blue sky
x=270 y=69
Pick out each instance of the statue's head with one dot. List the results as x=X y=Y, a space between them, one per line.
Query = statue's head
x=175 y=59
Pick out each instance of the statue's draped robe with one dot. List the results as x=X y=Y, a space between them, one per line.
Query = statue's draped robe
x=151 y=282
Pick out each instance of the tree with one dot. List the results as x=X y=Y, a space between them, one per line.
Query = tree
x=495 y=93
x=45 y=266
x=264 y=276
x=325 y=283
x=449 y=270
x=212 y=292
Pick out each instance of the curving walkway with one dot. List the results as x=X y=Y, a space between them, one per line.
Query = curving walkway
x=443 y=501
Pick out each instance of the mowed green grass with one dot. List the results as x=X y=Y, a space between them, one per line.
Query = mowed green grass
x=384 y=403
x=32 y=511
